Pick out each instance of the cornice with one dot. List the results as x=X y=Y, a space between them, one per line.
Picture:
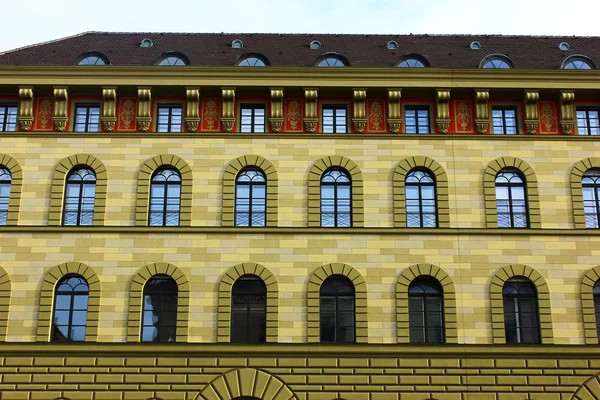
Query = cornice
x=182 y=230
x=155 y=76
x=299 y=349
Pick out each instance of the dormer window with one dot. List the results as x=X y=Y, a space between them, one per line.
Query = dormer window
x=413 y=61
x=237 y=44
x=93 y=58
x=146 y=43
x=392 y=45
x=315 y=45
x=332 y=60
x=173 y=59
x=475 y=45
x=578 y=62
x=496 y=61
x=253 y=61
x=564 y=46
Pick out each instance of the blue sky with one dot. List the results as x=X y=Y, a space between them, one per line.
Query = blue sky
x=27 y=22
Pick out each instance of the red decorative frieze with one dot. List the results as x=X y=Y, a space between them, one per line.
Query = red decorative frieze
x=126 y=114
x=376 y=116
x=292 y=114
x=211 y=114
x=463 y=116
x=548 y=119
x=44 y=109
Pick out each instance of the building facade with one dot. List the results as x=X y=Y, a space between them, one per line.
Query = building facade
x=300 y=217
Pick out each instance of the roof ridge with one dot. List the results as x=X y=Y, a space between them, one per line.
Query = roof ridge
x=45 y=43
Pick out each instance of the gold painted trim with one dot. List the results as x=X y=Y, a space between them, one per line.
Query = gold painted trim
x=489 y=190
x=144 y=106
x=229 y=178
x=314 y=300
x=577 y=172
x=59 y=181
x=148 y=168
x=399 y=192
x=590 y=327
x=449 y=299
x=136 y=297
x=61 y=107
x=314 y=189
x=497 y=302
x=25 y=109
x=46 y=311
x=109 y=108
x=532 y=118
x=224 y=303
x=248 y=382
x=5 y=296
x=14 y=199
x=228 y=109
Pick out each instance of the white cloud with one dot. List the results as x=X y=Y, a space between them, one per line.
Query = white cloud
x=41 y=20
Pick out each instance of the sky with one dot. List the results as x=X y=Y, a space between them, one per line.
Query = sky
x=28 y=22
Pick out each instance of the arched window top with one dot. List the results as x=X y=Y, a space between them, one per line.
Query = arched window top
x=251 y=175
x=509 y=176
x=475 y=45
x=146 y=43
x=496 y=61
x=82 y=173
x=578 y=62
x=420 y=176
x=166 y=175
x=72 y=283
x=249 y=285
x=5 y=175
x=237 y=44
x=335 y=175
x=253 y=60
x=425 y=285
x=392 y=45
x=173 y=59
x=337 y=285
x=519 y=285
x=413 y=61
x=591 y=176
x=92 y=58
x=596 y=289
x=564 y=46
x=161 y=284
x=332 y=60
x=315 y=45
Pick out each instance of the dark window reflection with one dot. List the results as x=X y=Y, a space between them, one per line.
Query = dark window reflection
x=70 y=309
x=165 y=198
x=248 y=310
x=511 y=200
x=250 y=198
x=421 y=202
x=336 y=199
x=426 y=311
x=159 y=318
x=5 y=182
x=590 y=187
x=521 y=314
x=338 y=318
x=80 y=193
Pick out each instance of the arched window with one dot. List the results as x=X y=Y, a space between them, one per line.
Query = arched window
x=411 y=63
x=421 y=199
x=93 y=58
x=80 y=194
x=165 y=198
x=426 y=311
x=511 y=199
x=173 y=59
x=159 y=318
x=5 y=182
x=338 y=310
x=332 y=61
x=596 y=294
x=70 y=309
x=336 y=198
x=496 y=61
x=253 y=61
x=590 y=185
x=248 y=310
x=521 y=311
x=250 y=198
x=578 y=62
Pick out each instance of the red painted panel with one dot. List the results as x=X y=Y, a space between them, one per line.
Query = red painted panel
x=293 y=113
x=376 y=116
x=548 y=117
x=211 y=114
x=126 y=114
x=44 y=109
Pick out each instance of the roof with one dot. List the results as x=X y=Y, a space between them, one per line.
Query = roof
x=289 y=50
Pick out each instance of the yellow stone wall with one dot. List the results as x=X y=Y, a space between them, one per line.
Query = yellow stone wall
x=470 y=256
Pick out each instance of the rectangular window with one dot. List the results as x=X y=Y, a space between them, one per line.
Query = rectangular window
x=169 y=118
x=416 y=119
x=335 y=119
x=253 y=118
x=588 y=122
x=87 y=118
x=8 y=117
x=504 y=121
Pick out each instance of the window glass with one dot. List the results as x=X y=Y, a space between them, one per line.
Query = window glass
x=511 y=202
x=588 y=122
x=521 y=315
x=496 y=63
x=248 y=310
x=169 y=118
x=172 y=60
x=250 y=198
x=165 y=198
x=5 y=183
x=93 y=60
x=252 y=62
x=421 y=202
x=336 y=199
x=578 y=63
x=411 y=63
x=426 y=311
x=331 y=62
x=159 y=315
x=590 y=185
x=337 y=310
x=70 y=309
x=8 y=117
x=80 y=194
x=504 y=121
x=416 y=120
x=334 y=119
x=87 y=118
x=253 y=118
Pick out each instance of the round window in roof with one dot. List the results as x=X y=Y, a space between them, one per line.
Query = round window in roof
x=475 y=45
x=577 y=62
x=92 y=58
x=496 y=61
x=315 y=45
x=564 y=46
x=173 y=60
x=237 y=44
x=392 y=45
x=146 y=43
x=330 y=60
x=253 y=61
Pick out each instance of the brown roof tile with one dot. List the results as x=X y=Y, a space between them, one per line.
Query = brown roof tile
x=210 y=49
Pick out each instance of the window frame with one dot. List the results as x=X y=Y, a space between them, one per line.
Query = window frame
x=587 y=110
x=85 y=104
x=336 y=298
x=253 y=105
x=165 y=185
x=334 y=106
x=417 y=107
x=249 y=311
x=170 y=105
x=71 y=310
x=510 y=199
x=425 y=313
x=596 y=300
x=595 y=186
x=162 y=295
x=5 y=120
x=504 y=107
x=5 y=171
x=517 y=300
x=250 y=199
x=82 y=184
x=419 y=186
x=336 y=206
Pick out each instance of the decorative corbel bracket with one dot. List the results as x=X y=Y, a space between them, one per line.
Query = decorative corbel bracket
x=25 y=113
x=443 y=110
x=394 y=116
x=109 y=108
x=567 y=114
x=482 y=110
x=359 y=119
x=192 y=107
x=276 y=119
x=532 y=118
x=144 y=105
x=227 y=117
x=310 y=110
x=61 y=104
